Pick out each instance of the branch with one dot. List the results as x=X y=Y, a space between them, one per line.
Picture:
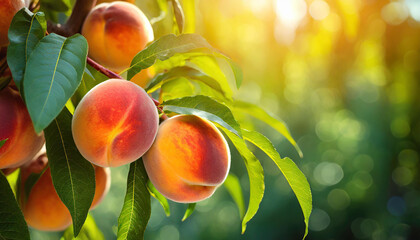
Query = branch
x=75 y=22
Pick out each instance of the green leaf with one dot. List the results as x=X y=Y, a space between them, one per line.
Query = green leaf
x=89 y=231
x=234 y=188
x=56 y=5
x=12 y=223
x=158 y=196
x=179 y=15
x=25 y=31
x=73 y=176
x=291 y=172
x=189 y=211
x=91 y=78
x=136 y=209
x=164 y=48
x=204 y=107
x=255 y=173
x=262 y=115
x=53 y=73
x=2 y=142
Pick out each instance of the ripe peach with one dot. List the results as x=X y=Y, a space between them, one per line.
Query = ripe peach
x=103 y=183
x=116 y=32
x=16 y=126
x=8 y=8
x=43 y=209
x=143 y=77
x=188 y=160
x=115 y=123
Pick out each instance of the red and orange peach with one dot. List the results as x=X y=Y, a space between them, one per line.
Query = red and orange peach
x=42 y=208
x=115 y=123
x=116 y=32
x=8 y=8
x=188 y=160
x=16 y=126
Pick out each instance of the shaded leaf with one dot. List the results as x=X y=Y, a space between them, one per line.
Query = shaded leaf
x=4 y=81
x=291 y=172
x=179 y=15
x=136 y=210
x=189 y=211
x=262 y=115
x=56 y=5
x=158 y=196
x=25 y=31
x=12 y=223
x=204 y=107
x=53 y=73
x=73 y=176
x=255 y=173
x=233 y=186
x=89 y=231
x=31 y=181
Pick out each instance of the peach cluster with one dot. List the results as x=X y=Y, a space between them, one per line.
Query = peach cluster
x=42 y=208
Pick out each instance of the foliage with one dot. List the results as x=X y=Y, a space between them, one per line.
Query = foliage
x=192 y=77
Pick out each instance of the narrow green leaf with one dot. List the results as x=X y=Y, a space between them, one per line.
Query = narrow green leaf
x=179 y=15
x=91 y=78
x=189 y=12
x=25 y=31
x=204 y=107
x=255 y=173
x=2 y=142
x=234 y=188
x=12 y=223
x=291 y=172
x=73 y=176
x=90 y=231
x=56 y=5
x=53 y=73
x=189 y=211
x=136 y=210
x=262 y=115
x=164 y=48
x=158 y=196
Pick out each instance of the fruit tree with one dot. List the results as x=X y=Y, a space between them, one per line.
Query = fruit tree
x=103 y=86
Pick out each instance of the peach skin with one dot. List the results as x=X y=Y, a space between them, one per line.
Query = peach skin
x=115 y=123
x=8 y=8
x=116 y=32
x=16 y=126
x=107 y=1
x=43 y=209
x=188 y=160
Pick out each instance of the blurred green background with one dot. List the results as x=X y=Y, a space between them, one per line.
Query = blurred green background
x=343 y=74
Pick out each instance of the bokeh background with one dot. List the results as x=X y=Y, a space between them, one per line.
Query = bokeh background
x=344 y=76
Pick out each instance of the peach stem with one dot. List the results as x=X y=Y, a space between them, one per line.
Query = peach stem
x=112 y=74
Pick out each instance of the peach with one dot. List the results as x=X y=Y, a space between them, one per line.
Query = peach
x=116 y=32
x=43 y=209
x=115 y=123
x=8 y=8
x=16 y=126
x=188 y=160
x=103 y=183
x=143 y=77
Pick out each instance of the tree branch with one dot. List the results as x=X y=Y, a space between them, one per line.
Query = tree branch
x=75 y=22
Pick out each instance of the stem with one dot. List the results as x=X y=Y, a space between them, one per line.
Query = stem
x=111 y=74
x=102 y=69
x=75 y=22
